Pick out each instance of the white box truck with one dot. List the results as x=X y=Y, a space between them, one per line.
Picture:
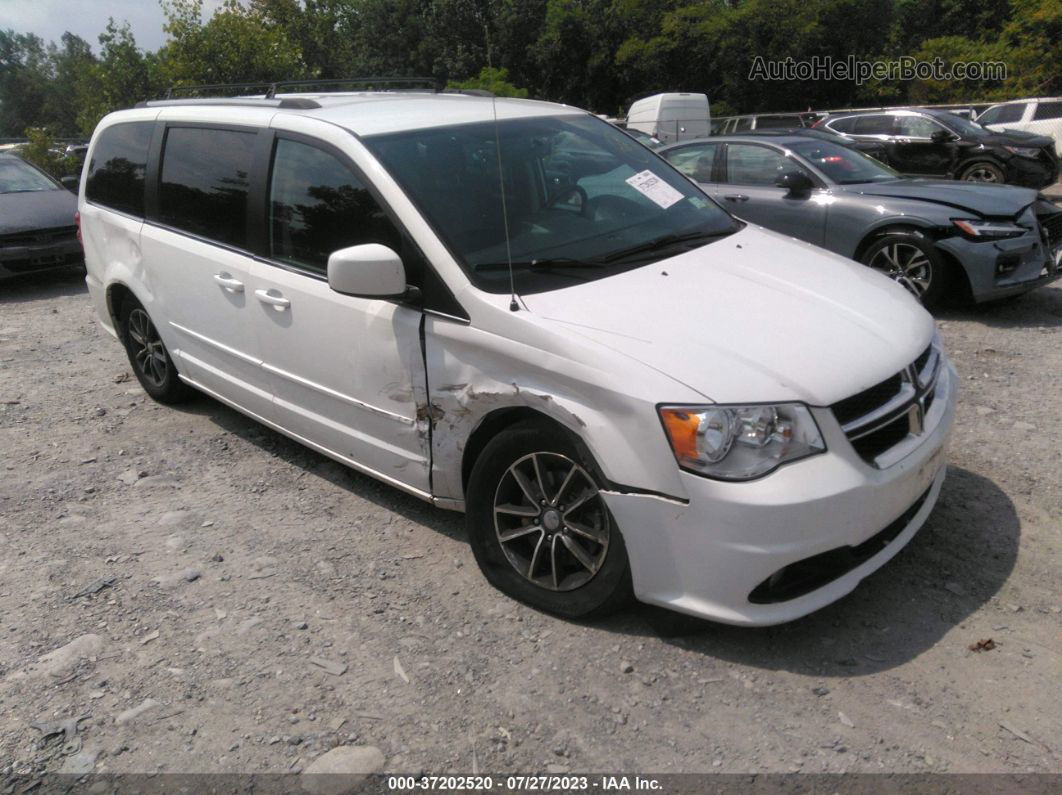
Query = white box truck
x=671 y=117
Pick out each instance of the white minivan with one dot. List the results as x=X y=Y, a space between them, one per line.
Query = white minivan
x=513 y=309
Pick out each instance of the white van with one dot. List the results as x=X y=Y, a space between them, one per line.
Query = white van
x=671 y=117
x=514 y=310
x=1042 y=116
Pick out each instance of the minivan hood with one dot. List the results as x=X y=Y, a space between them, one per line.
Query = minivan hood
x=978 y=197
x=38 y=209
x=755 y=317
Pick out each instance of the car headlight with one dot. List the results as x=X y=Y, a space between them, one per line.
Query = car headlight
x=1022 y=151
x=988 y=230
x=740 y=442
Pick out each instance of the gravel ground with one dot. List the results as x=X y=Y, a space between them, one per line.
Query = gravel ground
x=256 y=604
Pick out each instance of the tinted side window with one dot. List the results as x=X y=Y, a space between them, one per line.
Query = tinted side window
x=878 y=124
x=116 y=172
x=741 y=125
x=916 y=126
x=204 y=182
x=694 y=161
x=844 y=125
x=775 y=122
x=1048 y=110
x=748 y=164
x=318 y=206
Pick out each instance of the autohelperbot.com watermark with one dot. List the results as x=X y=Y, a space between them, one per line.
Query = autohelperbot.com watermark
x=825 y=67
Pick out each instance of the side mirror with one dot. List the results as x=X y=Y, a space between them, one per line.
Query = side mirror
x=367 y=271
x=796 y=182
x=941 y=137
x=71 y=182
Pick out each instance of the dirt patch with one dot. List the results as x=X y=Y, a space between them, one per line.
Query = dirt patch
x=214 y=597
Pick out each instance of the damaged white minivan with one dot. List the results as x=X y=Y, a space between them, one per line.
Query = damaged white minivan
x=513 y=309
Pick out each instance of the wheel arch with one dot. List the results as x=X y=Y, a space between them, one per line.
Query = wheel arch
x=890 y=227
x=118 y=293
x=500 y=419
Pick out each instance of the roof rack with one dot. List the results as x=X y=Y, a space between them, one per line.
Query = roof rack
x=292 y=103
x=270 y=88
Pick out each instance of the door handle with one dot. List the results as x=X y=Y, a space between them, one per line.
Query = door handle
x=229 y=283
x=273 y=298
x=736 y=197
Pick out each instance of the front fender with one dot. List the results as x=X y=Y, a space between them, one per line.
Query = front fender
x=610 y=406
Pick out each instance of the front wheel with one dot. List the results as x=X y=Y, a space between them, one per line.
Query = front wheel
x=911 y=260
x=983 y=172
x=539 y=527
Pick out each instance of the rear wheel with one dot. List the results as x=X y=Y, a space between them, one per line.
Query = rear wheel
x=983 y=172
x=539 y=527
x=911 y=260
x=148 y=356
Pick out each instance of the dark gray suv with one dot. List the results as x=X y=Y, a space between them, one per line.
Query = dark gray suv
x=933 y=237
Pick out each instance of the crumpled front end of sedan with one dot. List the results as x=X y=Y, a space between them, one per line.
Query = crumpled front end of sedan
x=1004 y=257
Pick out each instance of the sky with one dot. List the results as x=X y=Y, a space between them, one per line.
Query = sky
x=49 y=19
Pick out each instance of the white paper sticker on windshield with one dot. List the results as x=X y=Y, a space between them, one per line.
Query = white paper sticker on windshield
x=655 y=189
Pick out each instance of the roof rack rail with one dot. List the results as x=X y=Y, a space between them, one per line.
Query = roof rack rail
x=270 y=88
x=292 y=103
x=470 y=92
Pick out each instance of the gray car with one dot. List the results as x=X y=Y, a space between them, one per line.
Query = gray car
x=934 y=237
x=37 y=228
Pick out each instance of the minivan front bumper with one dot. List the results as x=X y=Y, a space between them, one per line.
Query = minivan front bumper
x=720 y=555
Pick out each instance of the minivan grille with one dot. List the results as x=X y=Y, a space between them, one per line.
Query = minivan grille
x=879 y=418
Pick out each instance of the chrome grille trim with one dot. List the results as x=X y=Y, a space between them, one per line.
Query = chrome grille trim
x=900 y=416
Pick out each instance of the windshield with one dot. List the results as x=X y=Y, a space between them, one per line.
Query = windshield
x=841 y=164
x=19 y=177
x=583 y=199
x=963 y=127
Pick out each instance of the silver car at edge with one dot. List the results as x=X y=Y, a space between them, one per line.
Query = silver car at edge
x=937 y=238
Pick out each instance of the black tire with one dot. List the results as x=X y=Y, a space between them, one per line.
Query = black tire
x=983 y=171
x=913 y=261
x=564 y=585
x=148 y=357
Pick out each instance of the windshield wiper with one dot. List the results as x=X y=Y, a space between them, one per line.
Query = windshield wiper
x=544 y=262
x=664 y=242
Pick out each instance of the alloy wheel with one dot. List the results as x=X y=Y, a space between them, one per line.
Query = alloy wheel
x=906 y=264
x=148 y=351
x=551 y=521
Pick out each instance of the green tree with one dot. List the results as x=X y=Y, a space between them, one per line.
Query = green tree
x=238 y=44
x=70 y=63
x=43 y=151
x=25 y=81
x=494 y=80
x=120 y=78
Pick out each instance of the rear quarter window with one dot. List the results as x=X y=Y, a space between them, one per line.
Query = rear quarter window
x=204 y=182
x=1048 y=110
x=116 y=171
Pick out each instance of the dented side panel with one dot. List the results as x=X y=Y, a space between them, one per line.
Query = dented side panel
x=473 y=372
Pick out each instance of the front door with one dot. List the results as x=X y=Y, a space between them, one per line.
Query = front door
x=347 y=373
x=912 y=150
x=749 y=192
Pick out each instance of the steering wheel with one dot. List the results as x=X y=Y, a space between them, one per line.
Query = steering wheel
x=613 y=208
x=566 y=191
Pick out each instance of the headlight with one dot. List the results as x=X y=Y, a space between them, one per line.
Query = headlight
x=1023 y=151
x=988 y=230
x=740 y=442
